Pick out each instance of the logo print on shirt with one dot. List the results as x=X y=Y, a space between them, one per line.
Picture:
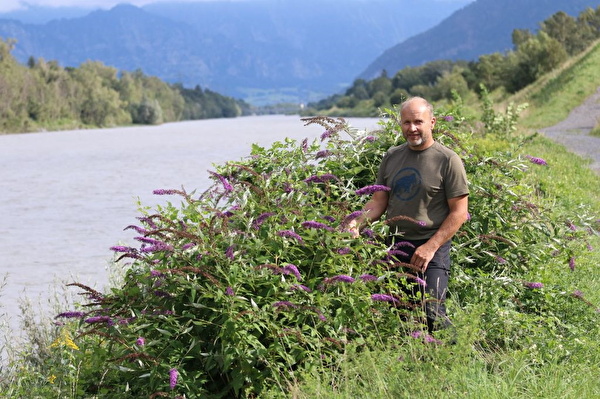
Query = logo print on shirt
x=406 y=184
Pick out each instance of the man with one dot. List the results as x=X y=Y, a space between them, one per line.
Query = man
x=426 y=204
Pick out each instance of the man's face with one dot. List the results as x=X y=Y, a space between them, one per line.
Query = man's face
x=417 y=125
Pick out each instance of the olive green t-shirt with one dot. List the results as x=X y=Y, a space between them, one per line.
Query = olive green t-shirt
x=421 y=183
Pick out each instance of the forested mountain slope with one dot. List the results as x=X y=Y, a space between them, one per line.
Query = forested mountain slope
x=482 y=27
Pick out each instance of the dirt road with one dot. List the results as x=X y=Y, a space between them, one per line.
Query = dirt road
x=573 y=132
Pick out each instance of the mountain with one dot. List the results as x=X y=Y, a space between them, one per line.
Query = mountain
x=261 y=51
x=482 y=27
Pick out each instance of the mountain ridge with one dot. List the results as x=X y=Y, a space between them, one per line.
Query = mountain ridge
x=299 y=51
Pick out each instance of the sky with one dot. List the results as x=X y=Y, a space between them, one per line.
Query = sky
x=14 y=5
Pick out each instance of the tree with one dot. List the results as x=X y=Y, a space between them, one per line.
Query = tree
x=565 y=29
x=98 y=101
x=398 y=96
x=520 y=36
x=589 y=24
x=382 y=84
x=535 y=57
x=491 y=70
x=451 y=82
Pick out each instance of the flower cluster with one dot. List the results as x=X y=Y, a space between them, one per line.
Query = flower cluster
x=536 y=160
x=368 y=190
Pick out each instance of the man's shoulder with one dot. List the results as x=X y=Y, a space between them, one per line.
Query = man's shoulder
x=397 y=149
x=442 y=149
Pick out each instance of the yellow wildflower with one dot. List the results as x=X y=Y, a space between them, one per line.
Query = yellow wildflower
x=64 y=340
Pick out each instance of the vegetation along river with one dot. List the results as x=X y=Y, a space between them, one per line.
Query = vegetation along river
x=65 y=197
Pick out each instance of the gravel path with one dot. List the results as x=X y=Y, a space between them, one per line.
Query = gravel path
x=573 y=132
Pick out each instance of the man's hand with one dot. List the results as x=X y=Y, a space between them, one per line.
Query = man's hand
x=423 y=256
x=353 y=229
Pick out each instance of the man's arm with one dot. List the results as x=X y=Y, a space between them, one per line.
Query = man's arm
x=372 y=210
x=457 y=216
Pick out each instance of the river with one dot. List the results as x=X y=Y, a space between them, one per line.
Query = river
x=65 y=197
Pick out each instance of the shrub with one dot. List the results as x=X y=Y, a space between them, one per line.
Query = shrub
x=256 y=281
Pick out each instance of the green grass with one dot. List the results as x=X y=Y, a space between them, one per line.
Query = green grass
x=554 y=95
x=446 y=373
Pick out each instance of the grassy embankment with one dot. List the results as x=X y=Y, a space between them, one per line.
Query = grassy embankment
x=464 y=371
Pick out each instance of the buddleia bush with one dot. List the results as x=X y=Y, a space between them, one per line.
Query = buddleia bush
x=255 y=281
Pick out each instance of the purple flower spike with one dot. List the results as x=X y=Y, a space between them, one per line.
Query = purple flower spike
x=534 y=285
x=352 y=217
x=148 y=240
x=162 y=294
x=173 y=376
x=344 y=251
x=290 y=234
x=368 y=190
x=321 y=179
x=166 y=192
x=420 y=281
x=283 y=304
x=572 y=263
x=342 y=278
x=402 y=244
x=536 y=160
x=261 y=219
x=229 y=253
x=577 y=294
x=141 y=341
x=292 y=269
x=157 y=248
x=431 y=340
x=71 y=315
x=138 y=229
x=367 y=277
x=229 y=291
x=300 y=287
x=99 y=319
x=416 y=334
x=383 y=298
x=327 y=134
x=323 y=154
x=448 y=118
x=121 y=248
x=228 y=187
x=397 y=252
x=311 y=224
x=368 y=233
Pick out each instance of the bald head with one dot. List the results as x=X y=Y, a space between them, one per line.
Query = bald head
x=417 y=123
x=417 y=102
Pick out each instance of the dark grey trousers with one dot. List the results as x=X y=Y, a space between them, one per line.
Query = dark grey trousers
x=436 y=278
